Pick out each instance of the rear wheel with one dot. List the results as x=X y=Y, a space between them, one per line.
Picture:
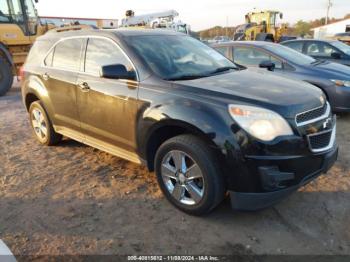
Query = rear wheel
x=189 y=175
x=42 y=126
x=6 y=77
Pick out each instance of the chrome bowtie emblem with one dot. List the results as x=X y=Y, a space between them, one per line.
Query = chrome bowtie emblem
x=326 y=123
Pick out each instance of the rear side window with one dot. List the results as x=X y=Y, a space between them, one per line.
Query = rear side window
x=37 y=52
x=102 y=52
x=297 y=46
x=67 y=54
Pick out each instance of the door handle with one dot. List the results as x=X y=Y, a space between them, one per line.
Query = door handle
x=84 y=87
x=46 y=76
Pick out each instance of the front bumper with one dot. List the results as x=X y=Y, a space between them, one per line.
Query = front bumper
x=257 y=201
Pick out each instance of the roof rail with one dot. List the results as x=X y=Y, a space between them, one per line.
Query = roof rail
x=71 y=28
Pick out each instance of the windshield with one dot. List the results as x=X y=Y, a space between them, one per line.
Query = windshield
x=290 y=55
x=179 y=57
x=342 y=47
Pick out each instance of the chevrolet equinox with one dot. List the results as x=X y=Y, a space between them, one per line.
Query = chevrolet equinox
x=166 y=100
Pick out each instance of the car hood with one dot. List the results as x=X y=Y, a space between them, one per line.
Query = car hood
x=332 y=70
x=285 y=96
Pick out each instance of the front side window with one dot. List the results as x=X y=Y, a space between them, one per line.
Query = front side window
x=67 y=54
x=320 y=49
x=101 y=52
x=246 y=56
x=174 y=57
x=290 y=55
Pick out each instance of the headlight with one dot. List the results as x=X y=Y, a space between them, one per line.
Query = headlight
x=341 y=82
x=261 y=123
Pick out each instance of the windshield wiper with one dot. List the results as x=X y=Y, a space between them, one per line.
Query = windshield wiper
x=318 y=62
x=185 y=77
x=193 y=76
x=223 y=69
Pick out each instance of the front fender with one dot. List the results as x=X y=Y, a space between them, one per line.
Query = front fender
x=211 y=121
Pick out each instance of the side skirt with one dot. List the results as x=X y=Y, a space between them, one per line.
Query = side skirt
x=113 y=150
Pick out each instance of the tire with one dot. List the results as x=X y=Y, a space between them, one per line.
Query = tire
x=193 y=196
x=6 y=77
x=42 y=126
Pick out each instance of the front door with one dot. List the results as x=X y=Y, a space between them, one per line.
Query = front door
x=107 y=107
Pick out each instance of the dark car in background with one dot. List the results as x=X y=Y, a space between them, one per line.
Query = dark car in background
x=330 y=50
x=332 y=78
x=172 y=103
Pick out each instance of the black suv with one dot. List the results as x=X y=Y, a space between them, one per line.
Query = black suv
x=166 y=100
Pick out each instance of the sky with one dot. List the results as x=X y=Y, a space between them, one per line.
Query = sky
x=200 y=14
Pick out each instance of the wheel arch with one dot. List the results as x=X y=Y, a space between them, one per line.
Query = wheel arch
x=30 y=98
x=168 y=129
x=320 y=87
x=33 y=89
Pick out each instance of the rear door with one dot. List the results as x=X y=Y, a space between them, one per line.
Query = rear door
x=60 y=77
x=107 y=107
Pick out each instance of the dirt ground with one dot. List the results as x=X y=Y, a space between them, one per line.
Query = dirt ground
x=73 y=199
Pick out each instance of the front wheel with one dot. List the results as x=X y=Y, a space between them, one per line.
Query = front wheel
x=189 y=175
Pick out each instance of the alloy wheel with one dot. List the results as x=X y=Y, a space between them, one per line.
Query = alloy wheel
x=183 y=178
x=39 y=124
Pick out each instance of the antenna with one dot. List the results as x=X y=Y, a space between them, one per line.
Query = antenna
x=329 y=5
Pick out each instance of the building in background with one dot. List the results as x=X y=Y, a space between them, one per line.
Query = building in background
x=330 y=30
x=95 y=22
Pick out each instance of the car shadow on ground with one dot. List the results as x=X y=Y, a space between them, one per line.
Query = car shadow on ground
x=67 y=142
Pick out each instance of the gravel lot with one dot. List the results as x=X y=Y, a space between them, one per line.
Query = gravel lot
x=73 y=199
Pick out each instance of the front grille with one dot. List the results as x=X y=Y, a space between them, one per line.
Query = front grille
x=311 y=115
x=321 y=140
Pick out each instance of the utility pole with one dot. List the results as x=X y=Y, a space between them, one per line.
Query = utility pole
x=329 y=5
x=226 y=25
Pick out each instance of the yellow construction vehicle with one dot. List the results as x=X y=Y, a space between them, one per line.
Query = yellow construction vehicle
x=261 y=26
x=19 y=27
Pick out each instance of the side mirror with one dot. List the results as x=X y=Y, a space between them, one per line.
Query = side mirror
x=117 y=71
x=336 y=55
x=268 y=65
